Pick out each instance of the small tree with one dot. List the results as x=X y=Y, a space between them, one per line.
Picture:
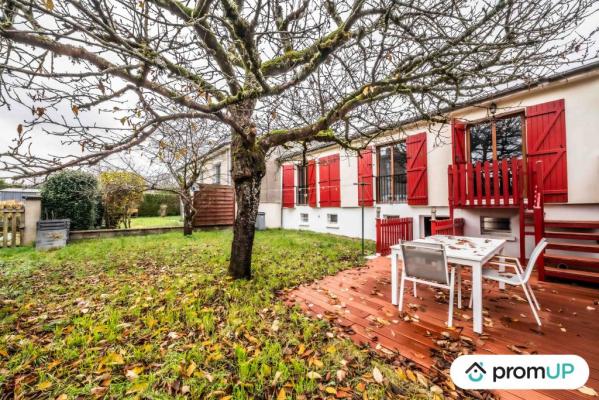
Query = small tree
x=71 y=194
x=122 y=192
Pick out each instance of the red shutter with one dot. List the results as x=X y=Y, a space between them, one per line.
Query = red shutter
x=334 y=181
x=365 y=186
x=416 y=169
x=330 y=193
x=323 y=182
x=312 y=183
x=288 y=186
x=546 y=142
x=458 y=142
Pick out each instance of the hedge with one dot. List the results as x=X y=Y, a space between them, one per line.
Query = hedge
x=150 y=205
x=71 y=194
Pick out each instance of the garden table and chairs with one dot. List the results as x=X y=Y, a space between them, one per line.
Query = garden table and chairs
x=435 y=260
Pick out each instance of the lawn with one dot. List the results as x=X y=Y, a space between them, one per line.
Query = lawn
x=156 y=222
x=157 y=317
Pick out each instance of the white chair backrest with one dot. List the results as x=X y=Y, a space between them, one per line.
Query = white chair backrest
x=425 y=261
x=533 y=258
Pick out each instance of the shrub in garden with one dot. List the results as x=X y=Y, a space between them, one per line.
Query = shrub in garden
x=122 y=193
x=150 y=205
x=71 y=194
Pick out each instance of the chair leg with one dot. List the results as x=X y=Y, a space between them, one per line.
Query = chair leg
x=415 y=294
x=451 y=298
x=459 y=290
x=401 y=288
x=530 y=302
x=534 y=298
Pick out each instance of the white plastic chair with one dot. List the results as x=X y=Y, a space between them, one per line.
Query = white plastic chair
x=521 y=276
x=427 y=264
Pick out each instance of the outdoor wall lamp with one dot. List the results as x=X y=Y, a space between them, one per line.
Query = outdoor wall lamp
x=434 y=214
x=493 y=108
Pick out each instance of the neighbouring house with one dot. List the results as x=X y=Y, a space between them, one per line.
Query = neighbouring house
x=484 y=167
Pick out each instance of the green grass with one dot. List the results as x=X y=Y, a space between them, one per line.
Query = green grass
x=156 y=222
x=157 y=317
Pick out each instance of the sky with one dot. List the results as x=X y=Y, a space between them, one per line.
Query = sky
x=45 y=145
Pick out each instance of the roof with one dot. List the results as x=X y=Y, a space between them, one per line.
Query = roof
x=475 y=100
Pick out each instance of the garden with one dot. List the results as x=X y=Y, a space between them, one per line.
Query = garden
x=123 y=317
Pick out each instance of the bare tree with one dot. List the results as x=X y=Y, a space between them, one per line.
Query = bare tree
x=277 y=73
x=174 y=159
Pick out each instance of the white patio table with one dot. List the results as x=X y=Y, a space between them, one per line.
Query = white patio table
x=461 y=250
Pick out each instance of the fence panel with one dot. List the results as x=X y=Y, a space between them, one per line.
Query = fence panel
x=390 y=231
x=12 y=223
x=448 y=227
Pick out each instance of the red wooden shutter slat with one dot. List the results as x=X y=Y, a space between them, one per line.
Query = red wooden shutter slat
x=312 y=183
x=417 y=169
x=458 y=140
x=334 y=181
x=365 y=173
x=546 y=142
x=288 y=186
x=323 y=170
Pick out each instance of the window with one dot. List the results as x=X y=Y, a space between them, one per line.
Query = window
x=495 y=226
x=332 y=219
x=391 y=182
x=217 y=174
x=497 y=139
x=304 y=217
x=302 y=184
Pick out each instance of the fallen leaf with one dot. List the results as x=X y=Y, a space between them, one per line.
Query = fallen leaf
x=44 y=385
x=313 y=375
x=282 y=395
x=377 y=375
x=588 y=391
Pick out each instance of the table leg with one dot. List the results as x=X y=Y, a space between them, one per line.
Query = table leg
x=394 y=299
x=501 y=269
x=477 y=296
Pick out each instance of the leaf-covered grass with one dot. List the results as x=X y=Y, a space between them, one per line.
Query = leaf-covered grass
x=157 y=317
x=156 y=222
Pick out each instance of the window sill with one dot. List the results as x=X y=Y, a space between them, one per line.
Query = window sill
x=509 y=238
x=332 y=227
x=304 y=225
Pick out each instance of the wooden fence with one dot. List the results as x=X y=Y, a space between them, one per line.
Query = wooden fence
x=215 y=205
x=448 y=227
x=12 y=226
x=390 y=231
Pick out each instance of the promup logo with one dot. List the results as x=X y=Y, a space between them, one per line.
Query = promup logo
x=476 y=372
x=520 y=372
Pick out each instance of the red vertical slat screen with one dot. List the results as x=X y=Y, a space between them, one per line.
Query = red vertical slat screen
x=390 y=231
x=417 y=169
x=365 y=178
x=448 y=227
x=546 y=142
x=288 y=185
x=312 y=183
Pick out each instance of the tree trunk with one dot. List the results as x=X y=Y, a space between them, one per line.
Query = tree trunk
x=249 y=167
x=189 y=213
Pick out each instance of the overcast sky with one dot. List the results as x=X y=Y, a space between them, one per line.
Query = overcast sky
x=45 y=145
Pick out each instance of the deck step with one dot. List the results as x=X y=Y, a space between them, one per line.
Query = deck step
x=567 y=246
x=571 y=224
x=586 y=276
x=572 y=235
x=572 y=261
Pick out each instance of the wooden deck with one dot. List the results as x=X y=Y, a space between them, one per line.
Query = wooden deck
x=358 y=302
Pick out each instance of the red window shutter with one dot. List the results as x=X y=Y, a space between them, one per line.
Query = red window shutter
x=546 y=142
x=458 y=142
x=365 y=187
x=288 y=186
x=334 y=181
x=312 y=183
x=323 y=182
x=416 y=169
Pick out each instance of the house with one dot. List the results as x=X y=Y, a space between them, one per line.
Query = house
x=483 y=167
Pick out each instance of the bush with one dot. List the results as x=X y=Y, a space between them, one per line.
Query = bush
x=72 y=195
x=150 y=205
x=121 y=194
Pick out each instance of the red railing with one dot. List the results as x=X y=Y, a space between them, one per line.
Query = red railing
x=390 y=231
x=488 y=184
x=448 y=227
